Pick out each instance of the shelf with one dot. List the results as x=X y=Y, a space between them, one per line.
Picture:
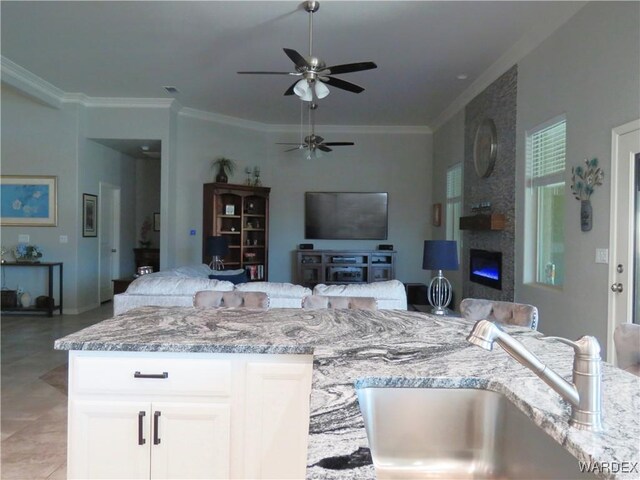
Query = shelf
x=253 y=229
x=260 y=215
x=254 y=246
x=229 y=216
x=494 y=221
x=229 y=232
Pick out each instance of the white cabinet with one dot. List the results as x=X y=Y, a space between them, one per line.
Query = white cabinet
x=105 y=443
x=191 y=441
x=277 y=405
x=187 y=416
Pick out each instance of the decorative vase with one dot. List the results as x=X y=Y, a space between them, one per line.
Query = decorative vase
x=27 y=260
x=586 y=215
x=25 y=299
x=222 y=177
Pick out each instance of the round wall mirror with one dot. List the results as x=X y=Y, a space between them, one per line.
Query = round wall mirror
x=485 y=148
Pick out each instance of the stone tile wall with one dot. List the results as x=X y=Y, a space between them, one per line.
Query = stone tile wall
x=498 y=102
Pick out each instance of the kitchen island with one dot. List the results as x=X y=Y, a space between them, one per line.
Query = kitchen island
x=387 y=348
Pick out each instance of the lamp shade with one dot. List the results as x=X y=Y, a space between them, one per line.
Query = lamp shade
x=440 y=255
x=303 y=90
x=217 y=246
x=321 y=89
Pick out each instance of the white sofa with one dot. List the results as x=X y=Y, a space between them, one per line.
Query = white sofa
x=177 y=287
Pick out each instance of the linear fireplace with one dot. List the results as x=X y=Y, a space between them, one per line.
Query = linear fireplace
x=485 y=268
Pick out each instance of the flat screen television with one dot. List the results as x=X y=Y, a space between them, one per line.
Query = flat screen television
x=345 y=215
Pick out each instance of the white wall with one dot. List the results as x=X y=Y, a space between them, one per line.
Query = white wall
x=397 y=163
x=590 y=71
x=448 y=149
x=40 y=140
x=199 y=142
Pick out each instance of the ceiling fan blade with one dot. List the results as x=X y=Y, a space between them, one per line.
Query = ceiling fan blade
x=318 y=139
x=336 y=82
x=338 y=144
x=351 y=67
x=324 y=148
x=282 y=143
x=269 y=73
x=290 y=89
x=296 y=58
x=292 y=149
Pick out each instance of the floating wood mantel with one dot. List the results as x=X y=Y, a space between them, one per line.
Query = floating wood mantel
x=494 y=221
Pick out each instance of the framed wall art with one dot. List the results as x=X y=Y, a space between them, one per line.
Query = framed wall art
x=89 y=215
x=436 y=215
x=156 y=222
x=28 y=201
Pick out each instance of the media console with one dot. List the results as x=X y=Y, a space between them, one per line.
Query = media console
x=344 y=266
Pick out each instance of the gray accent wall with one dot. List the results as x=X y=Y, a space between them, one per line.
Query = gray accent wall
x=497 y=102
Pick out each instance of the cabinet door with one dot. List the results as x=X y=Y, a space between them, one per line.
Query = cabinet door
x=190 y=440
x=109 y=440
x=277 y=420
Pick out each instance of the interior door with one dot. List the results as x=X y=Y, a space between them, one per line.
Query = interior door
x=109 y=234
x=623 y=292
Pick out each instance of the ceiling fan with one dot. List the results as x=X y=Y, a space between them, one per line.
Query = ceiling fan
x=313 y=142
x=315 y=72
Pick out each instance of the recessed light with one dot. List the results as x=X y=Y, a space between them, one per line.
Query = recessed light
x=462 y=76
x=171 y=90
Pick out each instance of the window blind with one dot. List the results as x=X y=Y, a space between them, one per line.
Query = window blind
x=454 y=181
x=547 y=152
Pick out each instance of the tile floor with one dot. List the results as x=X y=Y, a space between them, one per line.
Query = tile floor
x=34 y=413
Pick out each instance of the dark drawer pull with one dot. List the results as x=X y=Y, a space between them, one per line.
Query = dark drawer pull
x=151 y=375
x=141 y=440
x=156 y=436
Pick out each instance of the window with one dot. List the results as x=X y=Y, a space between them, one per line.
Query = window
x=454 y=203
x=546 y=151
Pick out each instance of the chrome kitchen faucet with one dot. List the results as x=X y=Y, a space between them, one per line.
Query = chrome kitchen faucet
x=584 y=394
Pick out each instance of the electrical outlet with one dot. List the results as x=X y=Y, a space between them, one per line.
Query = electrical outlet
x=64 y=239
x=23 y=238
x=602 y=255
x=192 y=233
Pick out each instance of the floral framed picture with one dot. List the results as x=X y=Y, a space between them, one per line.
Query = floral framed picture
x=28 y=200
x=89 y=215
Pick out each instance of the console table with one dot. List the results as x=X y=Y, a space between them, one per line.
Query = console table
x=33 y=309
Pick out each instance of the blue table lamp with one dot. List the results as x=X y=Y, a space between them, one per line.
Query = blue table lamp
x=439 y=255
x=216 y=248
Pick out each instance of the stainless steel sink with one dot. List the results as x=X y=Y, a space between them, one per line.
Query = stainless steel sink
x=429 y=433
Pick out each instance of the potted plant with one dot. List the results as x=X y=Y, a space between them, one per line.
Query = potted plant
x=225 y=167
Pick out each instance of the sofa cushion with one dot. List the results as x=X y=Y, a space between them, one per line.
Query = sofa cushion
x=275 y=290
x=390 y=294
x=173 y=285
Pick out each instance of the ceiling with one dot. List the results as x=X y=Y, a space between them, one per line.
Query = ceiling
x=133 y=49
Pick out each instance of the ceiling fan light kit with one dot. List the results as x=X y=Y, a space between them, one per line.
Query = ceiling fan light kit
x=316 y=75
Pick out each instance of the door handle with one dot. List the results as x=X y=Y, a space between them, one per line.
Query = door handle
x=113 y=250
x=141 y=439
x=617 y=288
x=156 y=421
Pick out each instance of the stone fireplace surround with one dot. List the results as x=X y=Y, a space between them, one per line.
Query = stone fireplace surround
x=498 y=102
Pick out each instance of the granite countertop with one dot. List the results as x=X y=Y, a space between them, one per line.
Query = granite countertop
x=387 y=348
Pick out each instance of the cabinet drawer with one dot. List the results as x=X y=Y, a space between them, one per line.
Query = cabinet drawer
x=145 y=375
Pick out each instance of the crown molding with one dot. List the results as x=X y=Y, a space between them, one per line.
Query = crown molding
x=34 y=86
x=224 y=119
x=118 y=102
x=511 y=57
x=30 y=84
x=355 y=129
